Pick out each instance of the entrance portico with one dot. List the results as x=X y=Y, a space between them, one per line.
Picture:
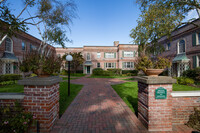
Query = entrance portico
x=87 y=67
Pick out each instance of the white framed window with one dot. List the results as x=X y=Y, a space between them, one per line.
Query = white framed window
x=98 y=55
x=168 y=46
x=110 y=55
x=128 y=65
x=98 y=65
x=181 y=46
x=8 y=68
x=8 y=45
x=110 y=65
x=23 y=46
x=128 y=54
x=88 y=57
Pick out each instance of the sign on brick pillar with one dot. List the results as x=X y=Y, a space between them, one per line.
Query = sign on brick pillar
x=42 y=100
x=155 y=102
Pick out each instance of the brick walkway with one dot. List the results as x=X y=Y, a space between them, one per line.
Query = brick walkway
x=98 y=109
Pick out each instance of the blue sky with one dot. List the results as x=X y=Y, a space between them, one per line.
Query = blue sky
x=99 y=22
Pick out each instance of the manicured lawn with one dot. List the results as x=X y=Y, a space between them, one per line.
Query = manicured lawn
x=64 y=99
x=129 y=92
x=77 y=74
x=92 y=76
x=66 y=78
x=177 y=87
x=12 y=88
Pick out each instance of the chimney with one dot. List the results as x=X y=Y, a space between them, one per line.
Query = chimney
x=116 y=43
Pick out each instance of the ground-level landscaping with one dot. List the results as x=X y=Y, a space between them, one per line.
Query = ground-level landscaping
x=129 y=92
x=94 y=76
x=64 y=101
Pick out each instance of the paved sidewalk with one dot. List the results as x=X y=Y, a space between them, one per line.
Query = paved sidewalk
x=98 y=109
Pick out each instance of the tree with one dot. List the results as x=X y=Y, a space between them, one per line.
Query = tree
x=179 y=6
x=77 y=60
x=53 y=15
x=153 y=23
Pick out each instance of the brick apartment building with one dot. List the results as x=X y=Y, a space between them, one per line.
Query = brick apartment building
x=13 y=49
x=183 y=48
x=120 y=56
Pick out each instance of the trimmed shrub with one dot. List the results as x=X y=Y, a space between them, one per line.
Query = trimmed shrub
x=98 y=71
x=10 y=77
x=107 y=73
x=115 y=71
x=193 y=74
x=185 y=81
x=133 y=72
x=194 y=120
x=63 y=72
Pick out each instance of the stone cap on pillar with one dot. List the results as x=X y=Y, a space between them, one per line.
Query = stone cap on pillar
x=156 y=80
x=43 y=81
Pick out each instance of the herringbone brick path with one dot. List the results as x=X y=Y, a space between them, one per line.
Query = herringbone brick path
x=98 y=109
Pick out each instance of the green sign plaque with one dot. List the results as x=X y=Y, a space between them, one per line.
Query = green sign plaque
x=160 y=93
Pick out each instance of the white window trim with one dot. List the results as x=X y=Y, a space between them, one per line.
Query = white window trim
x=198 y=59
x=24 y=46
x=4 y=68
x=178 y=51
x=111 y=54
x=130 y=55
x=197 y=39
x=167 y=47
x=112 y=65
x=87 y=58
x=98 y=55
x=125 y=64
x=11 y=46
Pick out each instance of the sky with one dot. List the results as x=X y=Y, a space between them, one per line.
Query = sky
x=99 y=22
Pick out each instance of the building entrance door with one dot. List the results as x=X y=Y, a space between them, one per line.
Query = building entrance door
x=88 y=69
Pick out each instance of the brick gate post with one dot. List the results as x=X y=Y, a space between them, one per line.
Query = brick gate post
x=42 y=100
x=155 y=102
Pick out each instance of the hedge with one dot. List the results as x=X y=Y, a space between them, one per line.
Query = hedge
x=133 y=72
x=10 y=77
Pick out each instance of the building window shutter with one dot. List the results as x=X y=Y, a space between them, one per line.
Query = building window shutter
x=194 y=39
x=104 y=65
x=122 y=53
x=194 y=61
x=114 y=55
x=122 y=64
x=104 y=55
x=115 y=65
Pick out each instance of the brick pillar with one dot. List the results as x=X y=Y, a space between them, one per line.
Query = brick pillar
x=154 y=109
x=42 y=100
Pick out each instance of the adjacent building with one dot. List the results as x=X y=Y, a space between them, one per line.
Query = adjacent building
x=14 y=48
x=183 y=48
x=120 y=56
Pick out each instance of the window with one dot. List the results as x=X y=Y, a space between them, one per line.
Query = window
x=181 y=47
x=168 y=46
x=128 y=54
x=196 y=61
x=127 y=64
x=8 y=45
x=31 y=47
x=98 y=55
x=88 y=57
x=23 y=46
x=98 y=65
x=110 y=65
x=110 y=55
x=8 y=68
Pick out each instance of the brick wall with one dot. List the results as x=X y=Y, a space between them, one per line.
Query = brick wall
x=183 y=107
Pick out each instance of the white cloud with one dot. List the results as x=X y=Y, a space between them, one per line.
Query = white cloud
x=192 y=14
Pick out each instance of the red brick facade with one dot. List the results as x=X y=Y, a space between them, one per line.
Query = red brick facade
x=117 y=49
x=183 y=107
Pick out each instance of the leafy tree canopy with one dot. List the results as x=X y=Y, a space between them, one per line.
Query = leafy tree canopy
x=53 y=15
x=154 y=22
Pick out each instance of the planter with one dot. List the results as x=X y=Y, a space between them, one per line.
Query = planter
x=153 y=72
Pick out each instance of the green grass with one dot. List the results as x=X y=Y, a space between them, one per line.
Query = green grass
x=177 y=87
x=129 y=79
x=65 y=100
x=92 y=76
x=12 y=88
x=66 y=78
x=129 y=93
x=77 y=75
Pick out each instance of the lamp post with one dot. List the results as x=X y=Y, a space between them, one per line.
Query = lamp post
x=69 y=58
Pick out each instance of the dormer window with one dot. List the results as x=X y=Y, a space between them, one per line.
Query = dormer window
x=168 y=46
x=181 y=47
x=88 y=57
x=8 y=45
